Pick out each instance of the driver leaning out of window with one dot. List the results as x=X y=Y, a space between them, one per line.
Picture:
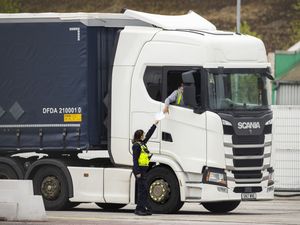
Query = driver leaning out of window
x=176 y=96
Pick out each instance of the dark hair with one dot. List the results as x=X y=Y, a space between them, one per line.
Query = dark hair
x=137 y=136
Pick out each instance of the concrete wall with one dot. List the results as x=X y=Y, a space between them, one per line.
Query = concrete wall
x=18 y=203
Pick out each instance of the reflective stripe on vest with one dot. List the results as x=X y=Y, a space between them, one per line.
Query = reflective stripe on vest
x=179 y=97
x=144 y=157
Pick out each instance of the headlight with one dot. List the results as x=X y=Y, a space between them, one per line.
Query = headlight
x=226 y=123
x=269 y=122
x=215 y=176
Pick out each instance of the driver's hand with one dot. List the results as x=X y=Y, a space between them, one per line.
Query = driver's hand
x=166 y=110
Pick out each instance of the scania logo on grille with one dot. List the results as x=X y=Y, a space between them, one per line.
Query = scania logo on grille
x=248 y=125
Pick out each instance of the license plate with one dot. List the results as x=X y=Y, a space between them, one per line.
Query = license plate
x=248 y=196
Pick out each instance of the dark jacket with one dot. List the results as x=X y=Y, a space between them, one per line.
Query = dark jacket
x=136 y=151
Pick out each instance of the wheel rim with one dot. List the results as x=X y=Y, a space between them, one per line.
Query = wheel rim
x=50 y=188
x=159 y=191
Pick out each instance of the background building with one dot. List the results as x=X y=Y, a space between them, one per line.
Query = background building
x=286 y=88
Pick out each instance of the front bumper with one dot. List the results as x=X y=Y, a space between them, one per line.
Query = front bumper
x=213 y=193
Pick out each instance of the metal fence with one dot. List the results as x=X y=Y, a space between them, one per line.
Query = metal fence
x=286 y=146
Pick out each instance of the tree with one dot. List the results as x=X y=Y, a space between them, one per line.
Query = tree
x=245 y=29
x=296 y=23
x=10 y=6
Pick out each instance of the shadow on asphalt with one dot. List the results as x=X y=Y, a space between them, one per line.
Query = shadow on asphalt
x=184 y=212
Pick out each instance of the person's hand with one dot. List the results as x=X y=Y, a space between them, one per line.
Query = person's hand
x=166 y=110
x=138 y=175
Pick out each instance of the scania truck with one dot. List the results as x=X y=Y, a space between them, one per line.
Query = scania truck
x=75 y=86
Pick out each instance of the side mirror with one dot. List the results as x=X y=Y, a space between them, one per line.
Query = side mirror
x=188 y=77
x=199 y=110
x=268 y=74
x=189 y=90
x=189 y=95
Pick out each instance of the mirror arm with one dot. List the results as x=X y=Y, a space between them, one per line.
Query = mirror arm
x=199 y=110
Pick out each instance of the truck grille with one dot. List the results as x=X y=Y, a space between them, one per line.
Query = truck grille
x=251 y=176
x=248 y=162
x=244 y=140
x=248 y=153
x=247 y=174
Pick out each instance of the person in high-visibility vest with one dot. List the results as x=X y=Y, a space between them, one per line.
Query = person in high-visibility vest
x=141 y=159
x=176 y=97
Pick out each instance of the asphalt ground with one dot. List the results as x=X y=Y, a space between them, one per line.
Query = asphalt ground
x=279 y=211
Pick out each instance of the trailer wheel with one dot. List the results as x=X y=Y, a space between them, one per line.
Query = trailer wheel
x=163 y=189
x=6 y=172
x=51 y=183
x=110 y=206
x=221 y=207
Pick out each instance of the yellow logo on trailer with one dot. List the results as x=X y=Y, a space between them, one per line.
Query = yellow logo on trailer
x=72 y=118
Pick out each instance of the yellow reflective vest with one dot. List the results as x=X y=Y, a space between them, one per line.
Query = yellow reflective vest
x=179 y=97
x=144 y=156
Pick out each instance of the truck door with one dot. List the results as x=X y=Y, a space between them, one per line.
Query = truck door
x=183 y=132
x=146 y=97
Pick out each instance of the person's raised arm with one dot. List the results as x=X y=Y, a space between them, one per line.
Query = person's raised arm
x=150 y=132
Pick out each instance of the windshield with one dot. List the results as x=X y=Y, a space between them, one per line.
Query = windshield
x=237 y=91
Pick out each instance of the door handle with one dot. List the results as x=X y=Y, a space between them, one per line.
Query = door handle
x=167 y=137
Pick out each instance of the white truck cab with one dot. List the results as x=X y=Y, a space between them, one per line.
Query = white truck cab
x=213 y=157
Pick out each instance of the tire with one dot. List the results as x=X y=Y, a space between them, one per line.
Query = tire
x=110 y=206
x=221 y=207
x=6 y=172
x=163 y=191
x=51 y=183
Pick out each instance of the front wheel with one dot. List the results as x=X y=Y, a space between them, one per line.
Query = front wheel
x=163 y=191
x=221 y=207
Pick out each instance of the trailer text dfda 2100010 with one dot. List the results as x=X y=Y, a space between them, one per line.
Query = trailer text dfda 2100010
x=80 y=84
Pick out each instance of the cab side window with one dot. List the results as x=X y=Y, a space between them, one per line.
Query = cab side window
x=153 y=82
x=191 y=81
x=174 y=80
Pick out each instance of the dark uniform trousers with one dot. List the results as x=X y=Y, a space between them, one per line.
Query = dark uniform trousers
x=142 y=198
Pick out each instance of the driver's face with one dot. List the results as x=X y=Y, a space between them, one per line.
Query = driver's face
x=181 y=89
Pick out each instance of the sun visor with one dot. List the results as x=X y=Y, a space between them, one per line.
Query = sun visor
x=189 y=21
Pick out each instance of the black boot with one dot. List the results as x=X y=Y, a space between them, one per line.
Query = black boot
x=148 y=211
x=141 y=213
